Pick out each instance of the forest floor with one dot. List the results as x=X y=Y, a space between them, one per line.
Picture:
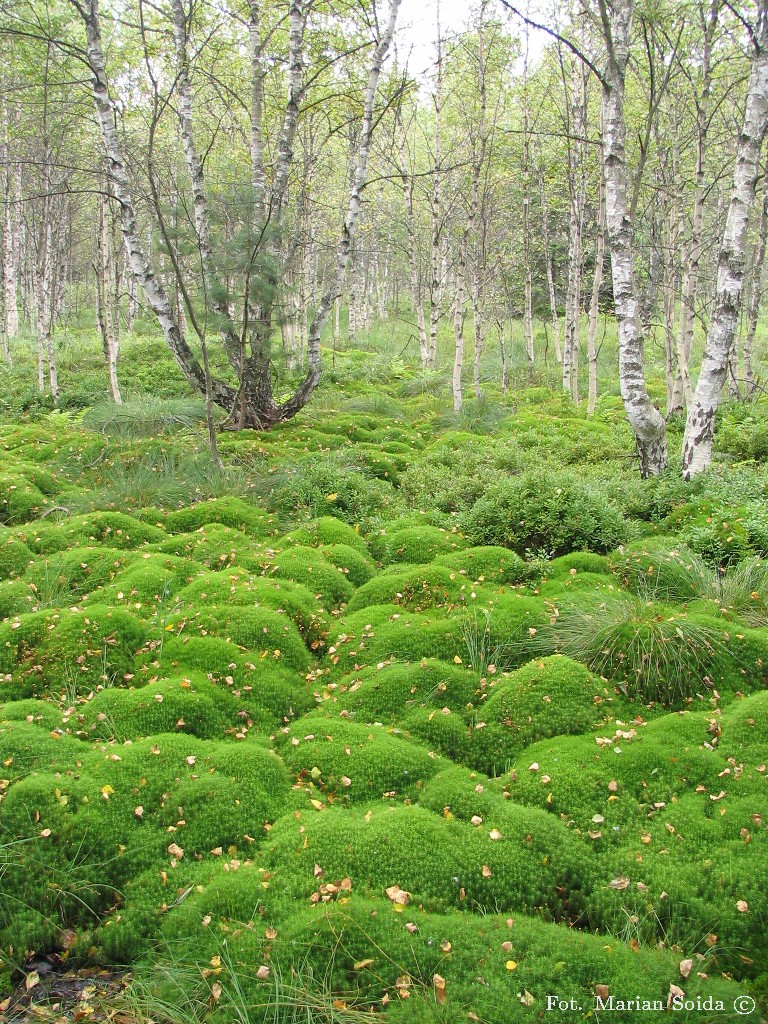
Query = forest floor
x=404 y=716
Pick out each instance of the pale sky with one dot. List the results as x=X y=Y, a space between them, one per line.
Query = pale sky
x=417 y=23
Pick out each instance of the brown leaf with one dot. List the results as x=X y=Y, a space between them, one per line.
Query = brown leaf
x=686 y=966
x=620 y=883
x=675 y=992
x=397 y=895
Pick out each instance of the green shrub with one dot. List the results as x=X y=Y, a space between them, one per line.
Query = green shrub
x=554 y=513
x=335 y=483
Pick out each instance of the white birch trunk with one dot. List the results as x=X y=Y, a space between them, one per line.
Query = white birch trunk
x=350 y=223
x=140 y=265
x=550 y=272
x=645 y=419
x=594 y=304
x=461 y=265
x=702 y=413
x=756 y=293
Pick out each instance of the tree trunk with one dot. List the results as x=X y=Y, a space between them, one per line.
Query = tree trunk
x=577 y=190
x=757 y=292
x=474 y=197
x=594 y=305
x=681 y=396
x=550 y=271
x=436 y=209
x=479 y=319
x=350 y=223
x=104 y=307
x=10 y=325
x=702 y=413
x=645 y=419
x=417 y=301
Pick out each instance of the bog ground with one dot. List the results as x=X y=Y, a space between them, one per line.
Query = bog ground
x=404 y=715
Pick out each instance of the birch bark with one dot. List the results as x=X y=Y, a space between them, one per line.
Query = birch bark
x=645 y=419
x=702 y=413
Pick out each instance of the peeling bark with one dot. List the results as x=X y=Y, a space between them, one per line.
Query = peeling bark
x=702 y=413
x=756 y=293
x=645 y=419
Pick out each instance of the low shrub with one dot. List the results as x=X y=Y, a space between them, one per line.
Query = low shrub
x=555 y=514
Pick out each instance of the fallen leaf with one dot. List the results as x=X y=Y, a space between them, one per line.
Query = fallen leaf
x=675 y=992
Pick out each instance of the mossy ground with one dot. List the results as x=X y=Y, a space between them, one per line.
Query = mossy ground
x=352 y=714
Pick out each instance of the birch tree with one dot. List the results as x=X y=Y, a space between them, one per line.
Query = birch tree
x=645 y=419
x=702 y=412
x=246 y=339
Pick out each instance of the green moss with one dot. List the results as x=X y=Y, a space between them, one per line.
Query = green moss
x=257 y=683
x=580 y=561
x=418 y=588
x=76 y=571
x=356 y=567
x=20 y=499
x=421 y=544
x=227 y=511
x=486 y=564
x=344 y=761
x=113 y=529
x=240 y=587
x=15 y=556
x=309 y=567
x=49 y=651
x=328 y=530
x=16 y=598
x=548 y=697
x=187 y=705
x=387 y=693
x=265 y=633
x=214 y=546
